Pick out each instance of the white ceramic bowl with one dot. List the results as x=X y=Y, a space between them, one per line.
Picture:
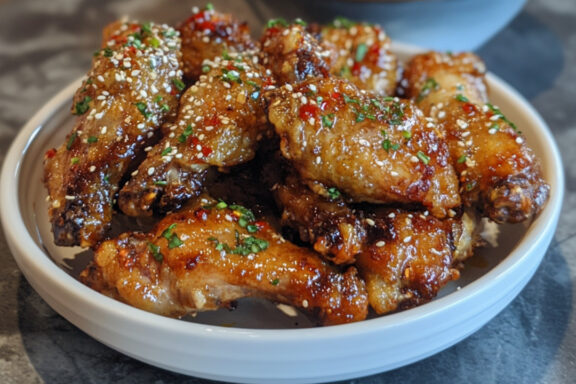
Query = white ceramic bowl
x=249 y=352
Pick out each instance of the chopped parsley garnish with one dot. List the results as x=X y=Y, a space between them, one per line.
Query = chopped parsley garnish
x=179 y=84
x=407 y=135
x=173 y=239
x=333 y=193
x=108 y=52
x=301 y=22
x=231 y=76
x=147 y=28
x=348 y=99
x=209 y=7
x=328 y=120
x=499 y=113
x=221 y=205
x=206 y=68
x=187 y=132
x=462 y=159
x=155 y=249
x=423 y=157
x=82 y=106
x=429 y=85
x=92 y=140
x=244 y=246
x=275 y=282
x=75 y=160
x=166 y=151
x=462 y=98
x=161 y=182
x=143 y=108
x=361 y=51
x=71 y=140
x=277 y=22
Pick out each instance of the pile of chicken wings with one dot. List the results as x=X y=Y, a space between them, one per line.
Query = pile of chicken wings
x=309 y=167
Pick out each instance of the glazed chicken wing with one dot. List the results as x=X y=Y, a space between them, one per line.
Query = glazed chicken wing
x=220 y=121
x=133 y=84
x=405 y=257
x=361 y=53
x=372 y=149
x=498 y=173
x=204 y=258
x=208 y=34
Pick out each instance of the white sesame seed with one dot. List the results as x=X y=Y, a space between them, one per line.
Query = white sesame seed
x=151 y=171
x=68 y=197
x=407 y=239
x=380 y=244
x=370 y=222
x=92 y=168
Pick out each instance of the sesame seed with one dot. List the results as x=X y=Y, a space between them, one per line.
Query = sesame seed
x=69 y=197
x=92 y=168
x=151 y=171
x=370 y=222
x=305 y=303
x=519 y=140
x=407 y=239
x=380 y=244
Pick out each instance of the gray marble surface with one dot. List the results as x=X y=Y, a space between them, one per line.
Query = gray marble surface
x=46 y=44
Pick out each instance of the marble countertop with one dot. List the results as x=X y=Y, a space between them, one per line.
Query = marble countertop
x=44 y=45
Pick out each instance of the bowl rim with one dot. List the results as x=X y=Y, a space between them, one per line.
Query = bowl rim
x=33 y=259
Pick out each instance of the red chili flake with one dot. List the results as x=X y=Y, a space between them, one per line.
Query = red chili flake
x=308 y=111
x=206 y=151
x=469 y=108
x=201 y=214
x=213 y=121
x=356 y=68
x=50 y=153
x=194 y=141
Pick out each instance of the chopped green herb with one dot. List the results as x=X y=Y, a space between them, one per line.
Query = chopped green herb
x=252 y=228
x=349 y=100
x=165 y=107
x=461 y=159
x=174 y=242
x=429 y=85
x=333 y=193
x=407 y=135
x=75 y=160
x=143 y=108
x=221 y=205
x=71 y=140
x=92 y=139
x=462 y=98
x=244 y=212
x=423 y=157
x=209 y=7
x=470 y=186
x=499 y=113
x=275 y=282
x=82 y=107
x=179 y=84
x=361 y=51
x=187 y=132
x=231 y=76
x=147 y=28
x=166 y=151
x=328 y=120
x=206 y=68
x=277 y=22
x=345 y=72
x=108 y=52
x=161 y=182
x=155 y=249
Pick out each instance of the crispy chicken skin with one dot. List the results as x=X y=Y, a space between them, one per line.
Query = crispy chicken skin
x=127 y=94
x=328 y=224
x=498 y=173
x=292 y=53
x=220 y=120
x=405 y=257
x=204 y=258
x=372 y=149
x=207 y=34
x=361 y=53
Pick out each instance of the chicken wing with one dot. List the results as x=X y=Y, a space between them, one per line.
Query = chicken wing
x=132 y=87
x=361 y=53
x=498 y=173
x=207 y=34
x=370 y=148
x=202 y=259
x=405 y=257
x=220 y=121
x=292 y=53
